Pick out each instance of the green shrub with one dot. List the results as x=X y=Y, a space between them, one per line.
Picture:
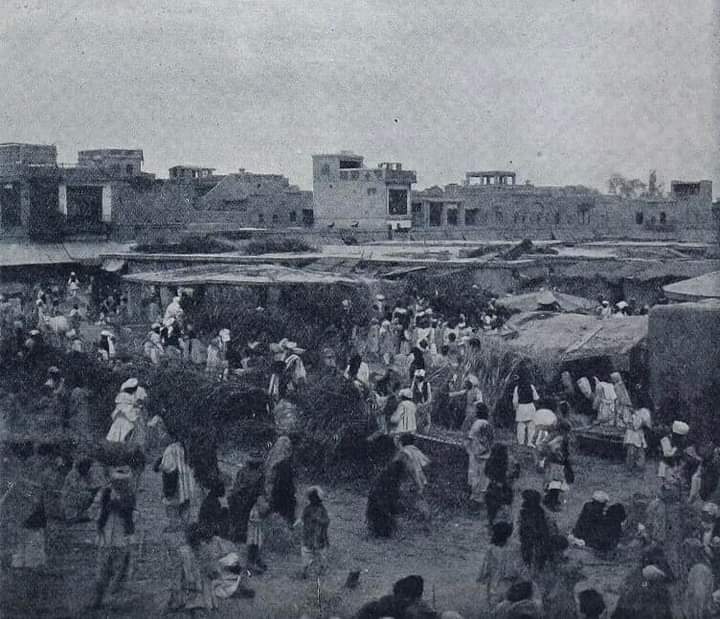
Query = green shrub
x=278 y=246
x=187 y=245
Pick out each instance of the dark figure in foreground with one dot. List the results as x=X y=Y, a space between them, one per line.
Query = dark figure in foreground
x=405 y=602
x=280 y=480
x=501 y=472
x=248 y=486
x=382 y=505
x=535 y=535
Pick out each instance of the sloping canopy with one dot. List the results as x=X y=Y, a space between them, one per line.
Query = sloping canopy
x=32 y=253
x=703 y=287
x=91 y=251
x=243 y=275
x=530 y=301
x=23 y=254
x=568 y=337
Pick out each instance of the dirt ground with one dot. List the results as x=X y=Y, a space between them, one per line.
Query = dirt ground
x=448 y=557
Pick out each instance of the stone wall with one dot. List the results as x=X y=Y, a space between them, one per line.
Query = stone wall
x=144 y=208
x=566 y=213
x=685 y=362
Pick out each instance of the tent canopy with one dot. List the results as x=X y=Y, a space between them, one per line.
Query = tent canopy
x=243 y=275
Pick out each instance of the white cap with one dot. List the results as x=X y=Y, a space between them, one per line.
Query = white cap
x=712 y=509
x=405 y=393
x=621 y=305
x=546 y=298
x=380 y=297
x=420 y=373
x=600 y=496
x=652 y=572
x=224 y=335
x=680 y=427
x=130 y=383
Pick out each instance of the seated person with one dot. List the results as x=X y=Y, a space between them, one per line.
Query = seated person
x=405 y=601
x=521 y=601
x=591 y=519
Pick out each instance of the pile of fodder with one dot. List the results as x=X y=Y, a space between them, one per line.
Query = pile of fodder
x=308 y=315
x=451 y=293
x=197 y=409
x=281 y=245
x=333 y=428
x=188 y=245
x=495 y=363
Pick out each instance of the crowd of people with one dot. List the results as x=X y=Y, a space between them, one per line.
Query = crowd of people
x=530 y=567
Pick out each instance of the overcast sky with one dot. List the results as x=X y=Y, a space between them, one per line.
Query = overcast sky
x=563 y=92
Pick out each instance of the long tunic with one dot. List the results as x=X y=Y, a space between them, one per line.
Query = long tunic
x=403 y=419
x=196 y=580
x=604 y=403
x=524 y=411
x=501 y=567
x=173 y=460
x=315 y=527
x=479 y=442
x=247 y=488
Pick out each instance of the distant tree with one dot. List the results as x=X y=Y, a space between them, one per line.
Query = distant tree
x=626 y=188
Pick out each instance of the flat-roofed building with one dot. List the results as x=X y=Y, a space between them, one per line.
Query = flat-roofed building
x=348 y=194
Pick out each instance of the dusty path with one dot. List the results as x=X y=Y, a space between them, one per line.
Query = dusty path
x=448 y=558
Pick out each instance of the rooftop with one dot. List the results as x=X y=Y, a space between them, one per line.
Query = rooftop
x=490 y=173
x=244 y=275
x=190 y=167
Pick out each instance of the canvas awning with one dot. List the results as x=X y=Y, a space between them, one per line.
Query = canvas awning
x=30 y=253
x=243 y=275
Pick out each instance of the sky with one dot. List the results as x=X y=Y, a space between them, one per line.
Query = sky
x=564 y=92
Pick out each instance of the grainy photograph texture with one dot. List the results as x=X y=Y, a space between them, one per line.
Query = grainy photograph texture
x=360 y=309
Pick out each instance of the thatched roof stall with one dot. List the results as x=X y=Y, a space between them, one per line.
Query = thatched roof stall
x=558 y=340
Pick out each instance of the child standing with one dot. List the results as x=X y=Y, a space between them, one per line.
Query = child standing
x=502 y=564
x=558 y=469
x=315 y=521
x=256 y=535
x=634 y=441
